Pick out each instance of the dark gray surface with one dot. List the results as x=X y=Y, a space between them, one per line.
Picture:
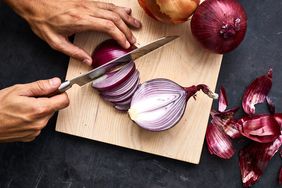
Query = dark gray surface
x=58 y=160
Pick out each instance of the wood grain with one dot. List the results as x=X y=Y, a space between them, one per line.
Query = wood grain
x=183 y=61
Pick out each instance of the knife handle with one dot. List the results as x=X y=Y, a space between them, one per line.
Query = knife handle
x=63 y=87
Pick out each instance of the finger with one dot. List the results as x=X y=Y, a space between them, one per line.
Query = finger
x=106 y=26
x=122 y=11
x=118 y=21
x=127 y=18
x=40 y=88
x=52 y=104
x=63 y=45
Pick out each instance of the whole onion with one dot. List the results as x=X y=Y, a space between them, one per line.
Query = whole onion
x=219 y=25
x=168 y=11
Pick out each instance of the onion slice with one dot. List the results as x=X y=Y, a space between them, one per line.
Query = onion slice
x=256 y=92
x=114 y=79
x=261 y=128
x=254 y=158
x=124 y=87
x=218 y=142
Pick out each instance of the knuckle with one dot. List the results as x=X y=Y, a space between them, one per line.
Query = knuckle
x=116 y=18
x=55 y=44
x=109 y=26
x=111 y=6
x=41 y=110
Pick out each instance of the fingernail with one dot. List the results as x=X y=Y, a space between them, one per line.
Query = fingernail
x=127 y=44
x=133 y=40
x=137 y=23
x=87 y=61
x=55 y=82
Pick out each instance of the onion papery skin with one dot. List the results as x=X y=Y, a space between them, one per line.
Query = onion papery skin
x=168 y=11
x=219 y=25
x=107 y=51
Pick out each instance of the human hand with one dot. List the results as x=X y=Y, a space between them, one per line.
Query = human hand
x=55 y=20
x=24 y=113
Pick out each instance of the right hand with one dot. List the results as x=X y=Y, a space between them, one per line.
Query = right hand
x=55 y=20
x=24 y=113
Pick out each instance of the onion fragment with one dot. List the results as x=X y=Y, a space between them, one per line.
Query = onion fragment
x=256 y=92
x=261 y=128
x=222 y=100
x=218 y=142
x=254 y=158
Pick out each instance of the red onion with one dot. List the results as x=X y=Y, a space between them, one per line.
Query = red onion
x=256 y=92
x=168 y=11
x=219 y=25
x=107 y=51
x=160 y=103
x=218 y=142
x=222 y=100
x=270 y=105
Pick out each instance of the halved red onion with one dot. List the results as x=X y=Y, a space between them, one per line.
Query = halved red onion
x=261 y=128
x=256 y=92
x=124 y=87
x=222 y=100
x=254 y=158
x=159 y=104
x=218 y=142
x=226 y=121
x=125 y=102
x=123 y=97
x=107 y=51
x=111 y=80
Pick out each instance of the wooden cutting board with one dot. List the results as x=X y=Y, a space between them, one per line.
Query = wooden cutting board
x=183 y=61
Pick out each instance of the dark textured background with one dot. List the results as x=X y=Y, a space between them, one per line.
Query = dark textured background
x=58 y=160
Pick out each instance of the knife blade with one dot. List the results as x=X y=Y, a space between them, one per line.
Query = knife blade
x=131 y=56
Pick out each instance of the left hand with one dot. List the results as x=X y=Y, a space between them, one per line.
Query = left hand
x=55 y=20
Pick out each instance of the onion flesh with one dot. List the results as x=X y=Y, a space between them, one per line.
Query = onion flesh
x=160 y=103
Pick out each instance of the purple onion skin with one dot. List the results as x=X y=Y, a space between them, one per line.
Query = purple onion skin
x=219 y=25
x=107 y=51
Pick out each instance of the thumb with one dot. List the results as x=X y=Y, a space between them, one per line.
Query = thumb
x=41 y=87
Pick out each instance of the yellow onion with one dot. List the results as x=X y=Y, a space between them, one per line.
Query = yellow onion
x=169 y=11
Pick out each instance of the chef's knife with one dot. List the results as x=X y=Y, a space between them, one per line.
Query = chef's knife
x=131 y=56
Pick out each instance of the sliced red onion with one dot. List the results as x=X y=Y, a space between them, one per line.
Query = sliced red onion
x=222 y=100
x=270 y=105
x=111 y=80
x=107 y=51
x=159 y=104
x=123 y=103
x=218 y=142
x=226 y=121
x=124 y=87
x=123 y=97
x=262 y=128
x=280 y=176
x=256 y=92
x=254 y=158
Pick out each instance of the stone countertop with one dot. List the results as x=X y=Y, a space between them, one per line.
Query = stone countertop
x=59 y=160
